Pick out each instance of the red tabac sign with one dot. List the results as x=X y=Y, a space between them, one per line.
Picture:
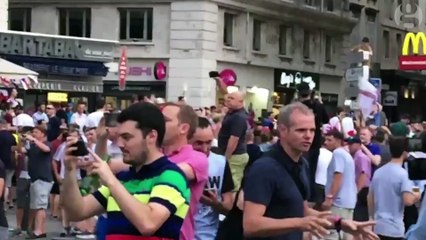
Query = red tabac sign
x=122 y=70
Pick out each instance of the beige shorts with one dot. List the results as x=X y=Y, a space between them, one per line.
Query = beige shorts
x=343 y=213
x=237 y=164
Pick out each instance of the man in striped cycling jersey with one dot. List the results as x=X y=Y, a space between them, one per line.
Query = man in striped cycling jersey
x=147 y=202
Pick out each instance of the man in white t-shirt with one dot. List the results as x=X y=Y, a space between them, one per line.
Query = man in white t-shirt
x=324 y=160
x=94 y=118
x=59 y=157
x=80 y=118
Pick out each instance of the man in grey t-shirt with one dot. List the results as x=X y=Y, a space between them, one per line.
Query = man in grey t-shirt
x=340 y=189
x=390 y=190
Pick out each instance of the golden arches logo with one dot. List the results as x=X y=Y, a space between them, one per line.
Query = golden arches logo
x=414 y=39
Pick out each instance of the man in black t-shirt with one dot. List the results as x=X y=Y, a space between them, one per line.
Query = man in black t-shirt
x=4 y=226
x=54 y=124
x=232 y=134
x=7 y=142
x=321 y=117
x=40 y=171
x=62 y=114
x=276 y=186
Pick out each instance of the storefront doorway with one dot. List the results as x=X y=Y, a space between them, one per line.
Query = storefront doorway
x=122 y=99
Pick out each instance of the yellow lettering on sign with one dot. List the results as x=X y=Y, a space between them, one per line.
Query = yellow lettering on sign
x=414 y=39
x=57 y=97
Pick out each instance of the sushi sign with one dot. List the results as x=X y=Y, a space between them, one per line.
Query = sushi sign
x=413 y=61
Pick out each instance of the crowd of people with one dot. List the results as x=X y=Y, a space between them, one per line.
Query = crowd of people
x=164 y=170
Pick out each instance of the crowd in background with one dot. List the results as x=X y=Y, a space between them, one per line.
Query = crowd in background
x=217 y=172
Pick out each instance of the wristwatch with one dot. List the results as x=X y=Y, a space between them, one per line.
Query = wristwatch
x=338 y=223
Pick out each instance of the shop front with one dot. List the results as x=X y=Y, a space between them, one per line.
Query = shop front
x=70 y=65
x=255 y=81
x=122 y=99
x=141 y=80
x=330 y=102
x=286 y=81
x=405 y=90
x=58 y=91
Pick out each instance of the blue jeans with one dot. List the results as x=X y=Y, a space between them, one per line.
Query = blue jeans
x=101 y=228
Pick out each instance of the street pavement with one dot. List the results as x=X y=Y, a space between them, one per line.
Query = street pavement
x=53 y=226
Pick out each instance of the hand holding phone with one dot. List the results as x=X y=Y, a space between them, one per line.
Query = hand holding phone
x=209 y=192
x=209 y=197
x=214 y=74
x=81 y=149
x=29 y=137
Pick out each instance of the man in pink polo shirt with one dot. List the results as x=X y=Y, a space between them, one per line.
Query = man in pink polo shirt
x=181 y=123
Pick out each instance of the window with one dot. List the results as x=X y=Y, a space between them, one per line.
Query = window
x=329 y=5
x=228 y=29
x=285 y=38
x=371 y=16
x=399 y=41
x=328 y=49
x=136 y=24
x=20 y=19
x=75 y=22
x=355 y=10
x=386 y=43
x=307 y=44
x=257 y=35
x=310 y=2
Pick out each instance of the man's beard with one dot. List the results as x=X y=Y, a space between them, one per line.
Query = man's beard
x=143 y=157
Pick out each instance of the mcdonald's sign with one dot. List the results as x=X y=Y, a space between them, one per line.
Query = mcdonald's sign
x=413 y=61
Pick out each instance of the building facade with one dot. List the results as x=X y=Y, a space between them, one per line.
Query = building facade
x=271 y=45
x=3 y=14
x=386 y=29
x=70 y=67
x=402 y=88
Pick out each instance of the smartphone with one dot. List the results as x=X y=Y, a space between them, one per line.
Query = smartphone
x=111 y=119
x=81 y=149
x=26 y=130
x=206 y=191
x=213 y=74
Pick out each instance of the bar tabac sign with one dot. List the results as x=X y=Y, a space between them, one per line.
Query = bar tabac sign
x=413 y=61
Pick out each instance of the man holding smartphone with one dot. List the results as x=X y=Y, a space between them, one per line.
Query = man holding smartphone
x=218 y=195
x=232 y=134
x=149 y=200
x=40 y=171
x=107 y=148
x=58 y=157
